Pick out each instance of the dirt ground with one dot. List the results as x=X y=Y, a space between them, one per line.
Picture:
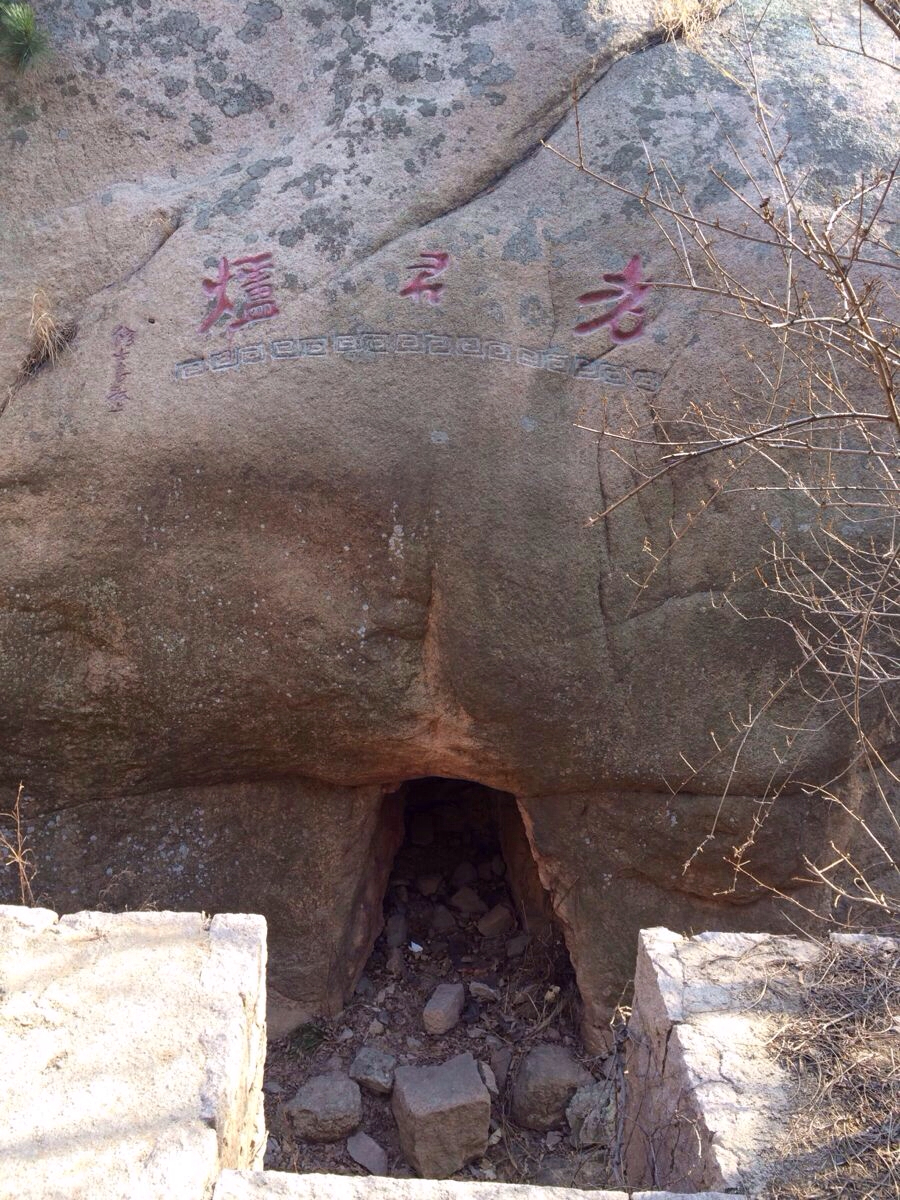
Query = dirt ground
x=536 y=1002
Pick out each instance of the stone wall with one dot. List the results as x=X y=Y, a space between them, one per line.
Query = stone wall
x=133 y=1049
x=708 y=1102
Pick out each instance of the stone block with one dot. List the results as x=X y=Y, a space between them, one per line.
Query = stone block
x=468 y=901
x=366 y=1151
x=133 y=1049
x=547 y=1079
x=326 y=1108
x=442 y=1012
x=374 y=1069
x=443 y=1114
x=706 y=1098
x=496 y=922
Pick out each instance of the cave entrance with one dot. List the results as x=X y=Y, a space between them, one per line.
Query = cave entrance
x=464 y=903
x=470 y=968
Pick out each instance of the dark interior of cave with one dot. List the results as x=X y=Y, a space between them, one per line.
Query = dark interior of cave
x=464 y=884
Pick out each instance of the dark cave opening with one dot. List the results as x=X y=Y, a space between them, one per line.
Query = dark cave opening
x=464 y=889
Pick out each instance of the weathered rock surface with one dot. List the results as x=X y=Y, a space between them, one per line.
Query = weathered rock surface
x=591 y=1115
x=611 y=863
x=443 y=1114
x=254 y=569
x=444 y=1006
x=133 y=1048
x=326 y=1109
x=547 y=1078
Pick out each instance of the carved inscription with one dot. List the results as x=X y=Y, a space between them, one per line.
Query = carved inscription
x=627 y=290
x=369 y=347
x=253 y=275
x=122 y=341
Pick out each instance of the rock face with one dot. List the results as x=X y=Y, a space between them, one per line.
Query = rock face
x=443 y=1114
x=303 y=510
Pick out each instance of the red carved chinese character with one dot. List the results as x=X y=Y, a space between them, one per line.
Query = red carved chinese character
x=627 y=290
x=423 y=284
x=216 y=288
x=253 y=272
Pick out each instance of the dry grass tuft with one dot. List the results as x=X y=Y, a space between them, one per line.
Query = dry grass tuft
x=683 y=20
x=14 y=850
x=843 y=1049
x=48 y=336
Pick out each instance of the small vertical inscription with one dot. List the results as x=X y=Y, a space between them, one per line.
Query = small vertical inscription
x=122 y=341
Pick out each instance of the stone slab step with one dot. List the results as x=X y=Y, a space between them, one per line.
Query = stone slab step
x=279 y=1185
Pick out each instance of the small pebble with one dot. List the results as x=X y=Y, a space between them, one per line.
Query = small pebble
x=501 y=1060
x=490 y=1080
x=483 y=991
x=365 y=987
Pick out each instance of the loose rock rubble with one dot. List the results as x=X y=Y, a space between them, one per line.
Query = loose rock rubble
x=462 y=1037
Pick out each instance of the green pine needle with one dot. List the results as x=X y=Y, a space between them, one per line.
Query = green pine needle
x=22 y=40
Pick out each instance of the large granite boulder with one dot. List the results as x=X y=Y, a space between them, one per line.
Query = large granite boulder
x=303 y=510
